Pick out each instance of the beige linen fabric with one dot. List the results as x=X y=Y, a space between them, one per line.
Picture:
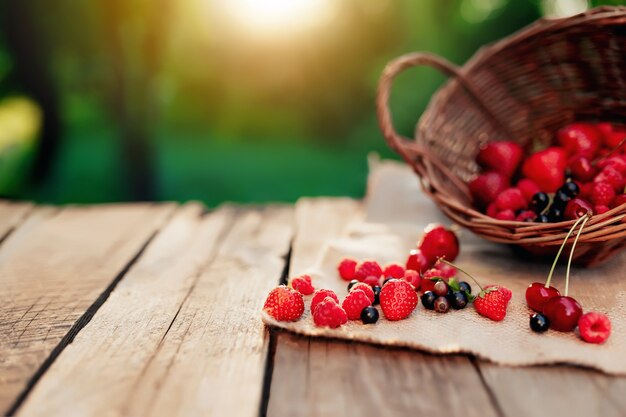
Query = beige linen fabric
x=386 y=226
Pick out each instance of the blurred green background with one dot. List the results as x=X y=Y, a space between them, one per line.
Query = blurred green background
x=216 y=100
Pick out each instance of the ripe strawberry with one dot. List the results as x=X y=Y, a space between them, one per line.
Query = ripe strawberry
x=528 y=188
x=417 y=261
x=581 y=168
x=328 y=313
x=320 y=295
x=393 y=271
x=372 y=281
x=503 y=157
x=439 y=242
x=492 y=302
x=507 y=214
x=508 y=294
x=594 y=327
x=546 y=168
x=346 y=269
x=487 y=186
x=361 y=286
x=511 y=199
x=302 y=284
x=579 y=139
x=602 y=194
x=398 y=299
x=284 y=304
x=354 y=303
x=368 y=269
x=413 y=278
x=612 y=177
x=619 y=200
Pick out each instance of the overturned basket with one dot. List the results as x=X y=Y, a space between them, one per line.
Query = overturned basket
x=522 y=88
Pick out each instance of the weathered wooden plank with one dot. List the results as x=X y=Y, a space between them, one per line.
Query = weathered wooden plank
x=11 y=215
x=53 y=269
x=555 y=391
x=181 y=334
x=313 y=377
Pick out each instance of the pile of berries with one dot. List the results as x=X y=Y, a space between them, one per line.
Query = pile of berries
x=564 y=313
x=584 y=171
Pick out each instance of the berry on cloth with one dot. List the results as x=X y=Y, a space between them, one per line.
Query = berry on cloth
x=414 y=278
x=320 y=295
x=354 y=303
x=393 y=271
x=398 y=299
x=329 y=314
x=369 y=291
x=594 y=327
x=492 y=302
x=303 y=285
x=347 y=268
x=284 y=304
x=563 y=313
x=417 y=261
x=369 y=315
x=368 y=269
x=539 y=323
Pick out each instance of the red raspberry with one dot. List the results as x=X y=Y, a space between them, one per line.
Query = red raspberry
x=579 y=139
x=329 y=313
x=511 y=199
x=506 y=215
x=612 y=177
x=492 y=302
x=602 y=194
x=372 y=281
x=346 y=269
x=398 y=299
x=393 y=271
x=413 y=278
x=492 y=210
x=600 y=209
x=320 y=295
x=368 y=269
x=503 y=157
x=438 y=242
x=616 y=162
x=526 y=215
x=366 y=289
x=486 y=187
x=417 y=261
x=546 y=168
x=619 y=200
x=354 y=303
x=594 y=327
x=284 y=304
x=528 y=188
x=302 y=284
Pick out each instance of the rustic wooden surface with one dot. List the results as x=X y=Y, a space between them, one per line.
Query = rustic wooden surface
x=154 y=310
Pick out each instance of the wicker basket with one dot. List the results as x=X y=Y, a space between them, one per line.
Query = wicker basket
x=522 y=88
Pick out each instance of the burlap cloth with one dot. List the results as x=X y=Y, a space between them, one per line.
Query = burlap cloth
x=388 y=225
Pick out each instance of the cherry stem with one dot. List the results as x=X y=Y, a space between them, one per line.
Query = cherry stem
x=453 y=265
x=558 y=254
x=571 y=254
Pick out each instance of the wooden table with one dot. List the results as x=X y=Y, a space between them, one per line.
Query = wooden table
x=153 y=309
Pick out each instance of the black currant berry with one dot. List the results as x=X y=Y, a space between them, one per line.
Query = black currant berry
x=464 y=286
x=442 y=305
x=428 y=300
x=440 y=288
x=376 y=290
x=539 y=323
x=352 y=284
x=459 y=300
x=369 y=315
x=555 y=214
x=539 y=202
x=570 y=188
x=542 y=218
x=560 y=199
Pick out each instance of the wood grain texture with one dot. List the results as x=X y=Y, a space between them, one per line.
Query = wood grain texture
x=52 y=269
x=181 y=334
x=317 y=377
x=555 y=391
x=11 y=215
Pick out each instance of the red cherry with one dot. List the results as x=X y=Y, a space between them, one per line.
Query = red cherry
x=563 y=313
x=537 y=294
x=439 y=242
x=417 y=261
x=577 y=208
x=581 y=168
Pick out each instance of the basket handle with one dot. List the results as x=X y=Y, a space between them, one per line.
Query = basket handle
x=400 y=143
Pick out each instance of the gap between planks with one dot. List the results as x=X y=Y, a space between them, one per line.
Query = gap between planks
x=181 y=334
